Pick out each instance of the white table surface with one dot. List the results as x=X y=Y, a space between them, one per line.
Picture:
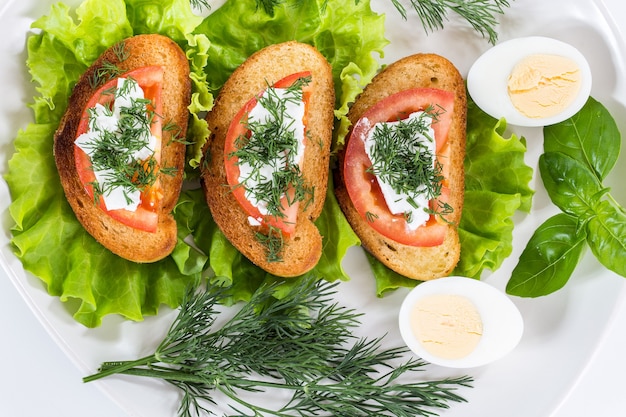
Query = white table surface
x=37 y=379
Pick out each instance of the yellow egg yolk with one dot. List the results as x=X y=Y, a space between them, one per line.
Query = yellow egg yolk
x=447 y=326
x=543 y=85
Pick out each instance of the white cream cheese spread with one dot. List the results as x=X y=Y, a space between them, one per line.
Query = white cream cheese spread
x=104 y=124
x=285 y=112
x=414 y=206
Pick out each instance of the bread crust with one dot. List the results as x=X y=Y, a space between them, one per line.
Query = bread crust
x=125 y=241
x=303 y=249
x=415 y=71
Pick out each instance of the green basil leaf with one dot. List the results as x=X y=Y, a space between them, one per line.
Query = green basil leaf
x=607 y=236
x=590 y=136
x=549 y=258
x=570 y=184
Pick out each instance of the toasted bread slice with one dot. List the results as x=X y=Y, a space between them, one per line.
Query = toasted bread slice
x=302 y=250
x=416 y=71
x=128 y=242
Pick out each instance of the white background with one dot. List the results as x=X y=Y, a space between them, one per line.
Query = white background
x=37 y=379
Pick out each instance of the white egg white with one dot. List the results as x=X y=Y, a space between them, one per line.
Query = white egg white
x=488 y=78
x=503 y=325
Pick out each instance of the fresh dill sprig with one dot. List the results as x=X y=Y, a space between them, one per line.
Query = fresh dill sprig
x=480 y=14
x=268 y=6
x=200 y=4
x=301 y=343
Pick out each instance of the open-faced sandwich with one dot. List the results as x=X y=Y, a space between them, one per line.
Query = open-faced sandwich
x=265 y=168
x=119 y=148
x=400 y=177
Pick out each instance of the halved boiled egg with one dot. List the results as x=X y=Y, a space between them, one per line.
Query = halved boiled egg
x=459 y=322
x=530 y=81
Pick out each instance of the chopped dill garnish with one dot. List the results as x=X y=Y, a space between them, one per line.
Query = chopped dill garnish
x=113 y=151
x=176 y=133
x=108 y=70
x=371 y=217
x=170 y=171
x=272 y=143
x=103 y=74
x=120 y=51
x=402 y=159
x=267 y=153
x=273 y=242
x=441 y=209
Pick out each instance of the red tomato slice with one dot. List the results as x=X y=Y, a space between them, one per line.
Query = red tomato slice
x=363 y=187
x=146 y=216
x=287 y=222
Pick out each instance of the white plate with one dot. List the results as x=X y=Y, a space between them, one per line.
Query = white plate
x=561 y=330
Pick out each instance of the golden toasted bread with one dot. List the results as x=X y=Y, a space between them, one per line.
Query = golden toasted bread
x=301 y=250
x=135 y=52
x=416 y=71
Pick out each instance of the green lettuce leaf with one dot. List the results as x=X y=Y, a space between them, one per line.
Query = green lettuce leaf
x=338 y=238
x=486 y=231
x=494 y=162
x=54 y=247
x=497 y=184
x=201 y=99
x=65 y=48
x=97 y=26
x=347 y=33
x=46 y=235
x=172 y=18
